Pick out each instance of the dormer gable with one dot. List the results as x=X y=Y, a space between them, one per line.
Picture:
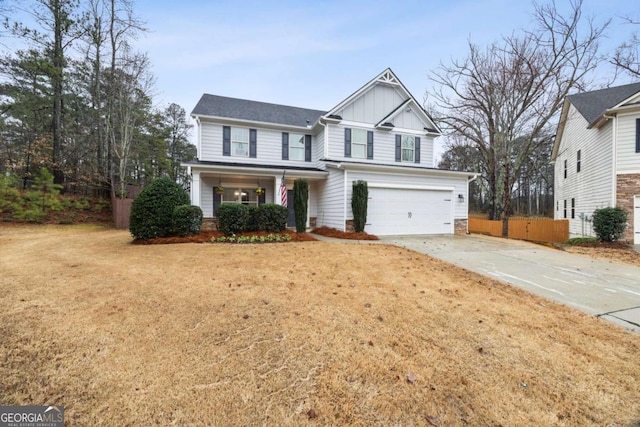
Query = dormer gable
x=385 y=103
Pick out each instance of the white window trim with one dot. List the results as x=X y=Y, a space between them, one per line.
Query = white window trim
x=252 y=198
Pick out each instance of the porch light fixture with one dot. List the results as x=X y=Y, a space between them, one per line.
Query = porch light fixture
x=461 y=197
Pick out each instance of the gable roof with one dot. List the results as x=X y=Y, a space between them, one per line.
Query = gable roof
x=255 y=111
x=390 y=78
x=592 y=105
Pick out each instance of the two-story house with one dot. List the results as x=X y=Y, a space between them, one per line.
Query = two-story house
x=379 y=134
x=596 y=158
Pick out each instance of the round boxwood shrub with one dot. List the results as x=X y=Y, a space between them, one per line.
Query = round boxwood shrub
x=187 y=220
x=232 y=218
x=152 y=211
x=272 y=217
x=609 y=223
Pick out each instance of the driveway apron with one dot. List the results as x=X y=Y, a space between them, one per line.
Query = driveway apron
x=602 y=288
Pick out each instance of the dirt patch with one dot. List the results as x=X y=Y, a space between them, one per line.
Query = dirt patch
x=613 y=252
x=311 y=333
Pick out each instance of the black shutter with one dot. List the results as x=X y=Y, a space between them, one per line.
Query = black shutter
x=253 y=143
x=217 y=199
x=347 y=142
x=226 y=141
x=369 y=144
x=417 y=153
x=637 y=135
x=307 y=148
x=398 y=148
x=285 y=146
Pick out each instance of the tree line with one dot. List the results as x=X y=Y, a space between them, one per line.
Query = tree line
x=499 y=105
x=76 y=98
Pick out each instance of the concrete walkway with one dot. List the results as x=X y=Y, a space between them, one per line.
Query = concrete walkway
x=605 y=289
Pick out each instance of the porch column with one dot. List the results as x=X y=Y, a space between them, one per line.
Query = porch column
x=276 y=190
x=195 y=188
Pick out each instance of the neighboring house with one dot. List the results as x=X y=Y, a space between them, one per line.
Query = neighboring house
x=379 y=134
x=597 y=158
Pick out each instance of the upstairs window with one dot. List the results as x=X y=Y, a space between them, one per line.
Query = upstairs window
x=578 y=156
x=565 y=176
x=359 y=143
x=408 y=148
x=240 y=142
x=296 y=147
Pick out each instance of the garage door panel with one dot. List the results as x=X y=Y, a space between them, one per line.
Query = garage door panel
x=409 y=211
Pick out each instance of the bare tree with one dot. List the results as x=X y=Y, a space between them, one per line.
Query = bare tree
x=626 y=57
x=504 y=98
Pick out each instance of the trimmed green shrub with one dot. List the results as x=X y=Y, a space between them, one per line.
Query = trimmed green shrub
x=300 y=203
x=359 y=203
x=152 y=211
x=609 y=223
x=272 y=217
x=187 y=220
x=232 y=218
x=252 y=223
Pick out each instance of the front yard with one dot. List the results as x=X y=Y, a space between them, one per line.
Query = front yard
x=308 y=333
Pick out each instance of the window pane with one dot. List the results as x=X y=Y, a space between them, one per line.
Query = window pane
x=407 y=155
x=240 y=149
x=296 y=147
x=358 y=136
x=408 y=142
x=239 y=135
x=358 y=150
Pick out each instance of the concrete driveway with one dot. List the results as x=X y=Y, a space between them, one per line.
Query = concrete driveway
x=602 y=288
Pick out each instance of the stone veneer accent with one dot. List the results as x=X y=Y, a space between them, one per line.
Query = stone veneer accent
x=627 y=186
x=349 y=226
x=209 y=224
x=312 y=222
x=461 y=226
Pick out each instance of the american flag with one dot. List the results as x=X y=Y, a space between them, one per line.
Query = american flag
x=283 y=192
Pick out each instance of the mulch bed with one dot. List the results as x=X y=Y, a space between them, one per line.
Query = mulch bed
x=610 y=245
x=205 y=236
x=332 y=232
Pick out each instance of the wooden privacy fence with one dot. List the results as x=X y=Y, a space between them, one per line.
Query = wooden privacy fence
x=534 y=229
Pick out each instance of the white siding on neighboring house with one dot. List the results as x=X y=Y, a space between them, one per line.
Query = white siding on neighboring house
x=591 y=187
x=628 y=161
x=331 y=207
x=373 y=105
x=317 y=148
x=268 y=147
x=459 y=185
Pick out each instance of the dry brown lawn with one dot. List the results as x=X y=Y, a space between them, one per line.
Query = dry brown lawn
x=623 y=255
x=293 y=334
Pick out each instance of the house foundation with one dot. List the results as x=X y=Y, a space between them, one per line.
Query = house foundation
x=627 y=187
x=461 y=226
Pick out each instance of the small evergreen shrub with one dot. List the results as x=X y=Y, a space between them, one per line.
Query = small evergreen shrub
x=232 y=218
x=252 y=223
x=609 y=223
x=359 y=203
x=300 y=203
x=272 y=217
x=187 y=220
x=152 y=211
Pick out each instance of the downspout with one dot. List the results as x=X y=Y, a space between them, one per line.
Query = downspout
x=344 y=205
x=614 y=158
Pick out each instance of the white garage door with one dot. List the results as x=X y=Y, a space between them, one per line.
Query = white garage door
x=408 y=211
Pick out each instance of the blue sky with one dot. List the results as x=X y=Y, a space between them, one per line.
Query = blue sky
x=314 y=54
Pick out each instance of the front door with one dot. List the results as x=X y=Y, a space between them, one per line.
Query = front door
x=291 y=217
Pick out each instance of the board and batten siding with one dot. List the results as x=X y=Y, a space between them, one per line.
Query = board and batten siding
x=627 y=160
x=373 y=105
x=330 y=197
x=384 y=146
x=458 y=184
x=592 y=187
x=408 y=120
x=268 y=146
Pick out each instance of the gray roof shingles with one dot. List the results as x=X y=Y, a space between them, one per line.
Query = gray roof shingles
x=593 y=104
x=264 y=112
